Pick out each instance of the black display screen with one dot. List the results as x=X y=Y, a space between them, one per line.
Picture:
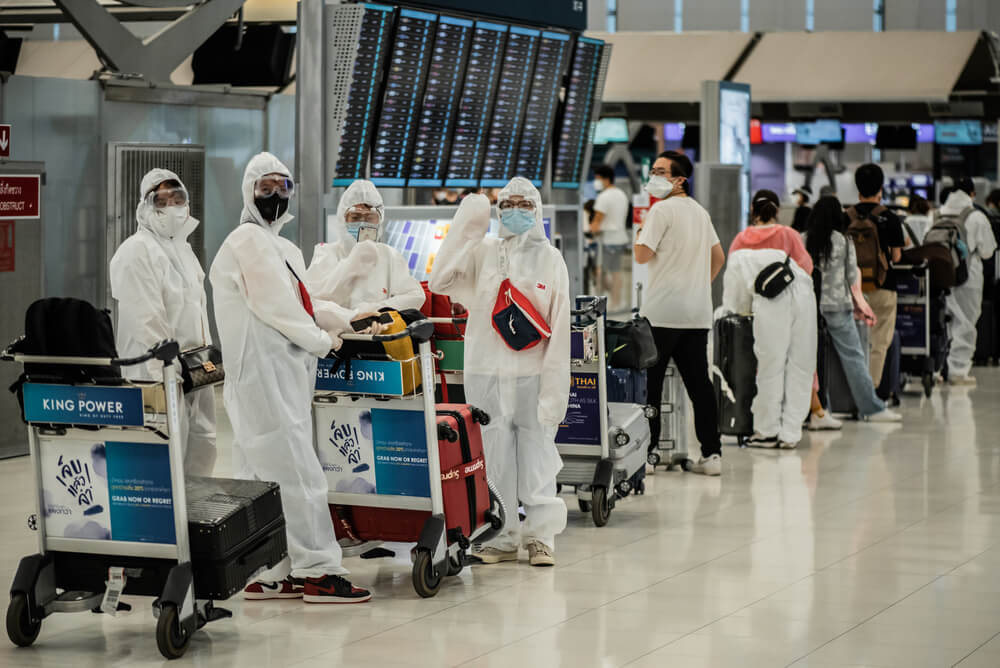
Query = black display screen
x=508 y=110
x=482 y=71
x=574 y=128
x=366 y=86
x=539 y=116
x=408 y=65
x=441 y=96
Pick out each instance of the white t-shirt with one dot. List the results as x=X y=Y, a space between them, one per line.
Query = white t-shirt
x=679 y=289
x=613 y=203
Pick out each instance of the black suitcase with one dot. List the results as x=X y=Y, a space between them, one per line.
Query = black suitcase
x=734 y=356
x=236 y=528
x=986 y=335
x=891 y=381
x=833 y=381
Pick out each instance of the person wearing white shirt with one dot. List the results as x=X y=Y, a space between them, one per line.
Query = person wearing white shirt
x=965 y=302
x=609 y=227
x=684 y=255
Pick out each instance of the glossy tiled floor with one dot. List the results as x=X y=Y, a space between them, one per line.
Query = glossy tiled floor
x=877 y=546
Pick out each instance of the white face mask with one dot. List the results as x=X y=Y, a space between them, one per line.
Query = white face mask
x=598 y=185
x=170 y=220
x=659 y=186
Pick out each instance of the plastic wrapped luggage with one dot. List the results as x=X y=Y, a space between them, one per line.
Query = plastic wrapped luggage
x=735 y=359
x=627 y=386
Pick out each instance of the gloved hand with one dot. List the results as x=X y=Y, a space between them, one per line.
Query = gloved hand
x=374 y=328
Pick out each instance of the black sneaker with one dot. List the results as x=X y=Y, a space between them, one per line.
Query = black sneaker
x=333 y=589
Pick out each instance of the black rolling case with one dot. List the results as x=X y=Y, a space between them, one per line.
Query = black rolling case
x=236 y=528
x=834 y=382
x=734 y=356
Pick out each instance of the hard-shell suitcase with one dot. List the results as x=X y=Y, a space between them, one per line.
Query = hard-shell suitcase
x=464 y=484
x=627 y=386
x=671 y=449
x=833 y=380
x=735 y=358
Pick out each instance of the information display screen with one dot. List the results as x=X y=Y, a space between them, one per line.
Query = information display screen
x=508 y=111
x=962 y=133
x=539 y=116
x=441 y=96
x=475 y=104
x=366 y=88
x=574 y=128
x=408 y=66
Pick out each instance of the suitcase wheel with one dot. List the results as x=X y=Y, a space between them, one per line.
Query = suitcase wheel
x=171 y=640
x=456 y=563
x=650 y=412
x=21 y=628
x=479 y=415
x=426 y=577
x=622 y=439
x=446 y=433
x=624 y=488
x=653 y=458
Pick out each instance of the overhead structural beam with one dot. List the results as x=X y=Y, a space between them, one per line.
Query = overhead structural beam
x=157 y=56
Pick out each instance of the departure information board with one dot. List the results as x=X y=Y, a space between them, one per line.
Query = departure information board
x=508 y=111
x=574 y=129
x=482 y=72
x=408 y=65
x=539 y=117
x=441 y=96
x=365 y=90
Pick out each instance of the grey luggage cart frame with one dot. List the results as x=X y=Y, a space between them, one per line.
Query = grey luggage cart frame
x=917 y=306
x=433 y=557
x=34 y=594
x=600 y=472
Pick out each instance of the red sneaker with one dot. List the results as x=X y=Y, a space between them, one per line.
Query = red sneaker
x=333 y=589
x=288 y=588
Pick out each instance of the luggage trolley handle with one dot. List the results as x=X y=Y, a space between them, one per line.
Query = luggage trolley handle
x=419 y=331
x=167 y=351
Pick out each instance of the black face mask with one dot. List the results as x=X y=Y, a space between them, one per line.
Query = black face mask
x=271 y=208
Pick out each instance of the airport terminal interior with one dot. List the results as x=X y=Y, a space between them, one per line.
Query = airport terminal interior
x=452 y=333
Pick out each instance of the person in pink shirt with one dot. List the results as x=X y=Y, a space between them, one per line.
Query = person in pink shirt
x=766 y=232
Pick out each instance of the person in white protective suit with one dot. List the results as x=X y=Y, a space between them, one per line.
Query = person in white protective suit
x=525 y=392
x=272 y=333
x=160 y=289
x=784 y=333
x=357 y=270
x=965 y=302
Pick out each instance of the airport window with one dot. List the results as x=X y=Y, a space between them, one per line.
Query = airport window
x=745 y=15
x=810 y=14
x=678 y=15
x=951 y=15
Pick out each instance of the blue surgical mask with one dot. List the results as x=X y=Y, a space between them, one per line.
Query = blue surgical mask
x=363 y=231
x=518 y=221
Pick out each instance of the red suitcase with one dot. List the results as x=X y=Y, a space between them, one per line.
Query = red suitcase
x=464 y=487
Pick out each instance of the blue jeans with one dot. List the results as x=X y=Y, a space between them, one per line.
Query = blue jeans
x=849 y=347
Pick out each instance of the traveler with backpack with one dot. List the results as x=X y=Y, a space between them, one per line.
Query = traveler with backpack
x=878 y=239
x=159 y=286
x=959 y=217
x=917 y=221
x=841 y=302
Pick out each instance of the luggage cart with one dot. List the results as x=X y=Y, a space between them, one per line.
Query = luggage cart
x=396 y=480
x=151 y=551
x=913 y=322
x=602 y=445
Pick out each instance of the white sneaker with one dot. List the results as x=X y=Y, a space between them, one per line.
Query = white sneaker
x=885 y=415
x=787 y=445
x=962 y=380
x=706 y=466
x=817 y=423
x=493 y=555
x=758 y=440
x=540 y=554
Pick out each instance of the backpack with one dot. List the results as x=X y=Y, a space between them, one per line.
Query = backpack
x=872 y=262
x=948 y=231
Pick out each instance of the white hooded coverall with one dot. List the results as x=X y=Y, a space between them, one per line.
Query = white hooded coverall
x=784 y=333
x=160 y=289
x=364 y=276
x=525 y=393
x=270 y=346
x=965 y=302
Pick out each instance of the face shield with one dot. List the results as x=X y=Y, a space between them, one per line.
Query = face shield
x=162 y=197
x=363 y=222
x=271 y=193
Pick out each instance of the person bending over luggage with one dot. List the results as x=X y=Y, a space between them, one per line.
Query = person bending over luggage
x=357 y=270
x=684 y=255
x=784 y=340
x=840 y=297
x=160 y=289
x=272 y=333
x=965 y=301
x=525 y=391
x=766 y=232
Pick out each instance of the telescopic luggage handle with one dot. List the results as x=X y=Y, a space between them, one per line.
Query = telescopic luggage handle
x=448 y=321
x=167 y=351
x=419 y=331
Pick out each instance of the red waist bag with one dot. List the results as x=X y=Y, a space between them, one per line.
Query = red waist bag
x=516 y=319
x=440 y=306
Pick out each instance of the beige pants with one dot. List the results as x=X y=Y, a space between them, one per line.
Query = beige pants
x=883 y=303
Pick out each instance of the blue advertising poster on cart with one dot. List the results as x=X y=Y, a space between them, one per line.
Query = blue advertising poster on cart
x=91 y=404
x=582 y=424
x=400 y=452
x=142 y=508
x=911 y=323
x=366 y=377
